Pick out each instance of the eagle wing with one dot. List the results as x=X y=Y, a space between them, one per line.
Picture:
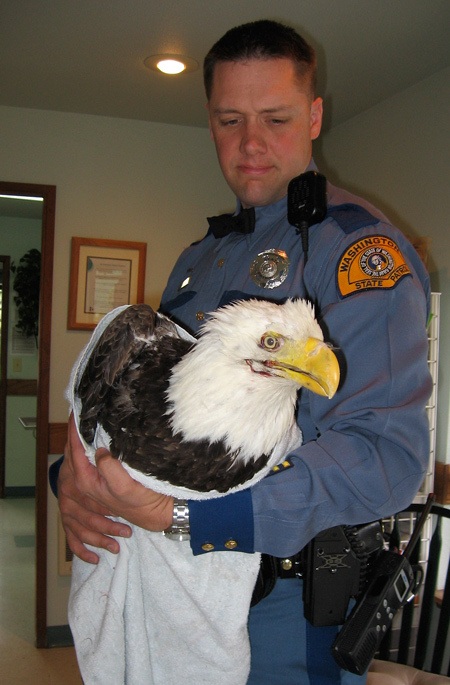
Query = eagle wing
x=118 y=348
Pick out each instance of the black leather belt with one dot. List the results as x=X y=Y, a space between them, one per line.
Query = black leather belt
x=289 y=567
x=272 y=568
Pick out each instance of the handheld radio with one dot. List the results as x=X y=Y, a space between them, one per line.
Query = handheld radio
x=392 y=584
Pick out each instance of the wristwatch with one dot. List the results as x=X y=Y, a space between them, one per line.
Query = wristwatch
x=180 y=529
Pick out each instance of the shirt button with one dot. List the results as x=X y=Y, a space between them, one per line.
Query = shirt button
x=220 y=263
x=231 y=544
x=200 y=316
x=207 y=547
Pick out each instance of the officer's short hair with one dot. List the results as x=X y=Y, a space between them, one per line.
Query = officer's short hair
x=262 y=39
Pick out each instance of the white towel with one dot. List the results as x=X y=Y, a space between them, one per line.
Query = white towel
x=155 y=614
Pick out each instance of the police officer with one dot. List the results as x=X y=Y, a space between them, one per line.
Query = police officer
x=365 y=451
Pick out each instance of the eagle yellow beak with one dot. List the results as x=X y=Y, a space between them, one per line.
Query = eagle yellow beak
x=312 y=365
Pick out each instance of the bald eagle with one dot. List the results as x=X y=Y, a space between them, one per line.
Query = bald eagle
x=207 y=414
x=196 y=419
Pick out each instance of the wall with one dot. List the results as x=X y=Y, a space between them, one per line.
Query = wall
x=118 y=179
x=397 y=155
x=20 y=447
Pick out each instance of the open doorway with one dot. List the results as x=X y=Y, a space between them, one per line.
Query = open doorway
x=48 y=195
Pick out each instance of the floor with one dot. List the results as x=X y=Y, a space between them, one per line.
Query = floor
x=20 y=662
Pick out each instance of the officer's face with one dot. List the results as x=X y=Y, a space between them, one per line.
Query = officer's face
x=262 y=121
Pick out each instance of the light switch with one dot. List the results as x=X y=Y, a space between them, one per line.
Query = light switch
x=17 y=364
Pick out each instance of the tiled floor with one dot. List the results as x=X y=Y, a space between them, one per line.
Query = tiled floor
x=20 y=662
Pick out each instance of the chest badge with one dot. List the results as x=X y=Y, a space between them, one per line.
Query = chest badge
x=270 y=268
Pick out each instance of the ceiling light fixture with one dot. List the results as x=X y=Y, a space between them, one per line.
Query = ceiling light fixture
x=171 y=64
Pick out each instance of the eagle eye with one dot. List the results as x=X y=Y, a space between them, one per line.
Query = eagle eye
x=271 y=342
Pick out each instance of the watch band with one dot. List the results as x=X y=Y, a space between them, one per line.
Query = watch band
x=180 y=529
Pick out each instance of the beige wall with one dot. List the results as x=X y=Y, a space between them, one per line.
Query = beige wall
x=397 y=154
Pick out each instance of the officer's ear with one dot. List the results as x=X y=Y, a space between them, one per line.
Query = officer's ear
x=316 y=118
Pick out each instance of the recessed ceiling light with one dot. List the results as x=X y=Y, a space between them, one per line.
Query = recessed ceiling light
x=171 y=64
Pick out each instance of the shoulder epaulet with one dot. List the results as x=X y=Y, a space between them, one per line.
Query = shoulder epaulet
x=350 y=217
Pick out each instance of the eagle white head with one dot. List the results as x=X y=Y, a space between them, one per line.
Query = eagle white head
x=239 y=383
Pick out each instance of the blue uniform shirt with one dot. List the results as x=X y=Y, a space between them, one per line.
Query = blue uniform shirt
x=365 y=452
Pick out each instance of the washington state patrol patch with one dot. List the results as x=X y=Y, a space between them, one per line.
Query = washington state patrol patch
x=371 y=263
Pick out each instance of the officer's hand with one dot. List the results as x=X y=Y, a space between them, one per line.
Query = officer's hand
x=88 y=495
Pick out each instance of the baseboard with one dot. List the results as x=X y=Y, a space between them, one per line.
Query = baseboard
x=20 y=491
x=59 y=636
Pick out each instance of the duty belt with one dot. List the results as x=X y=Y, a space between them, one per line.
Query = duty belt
x=289 y=567
x=272 y=568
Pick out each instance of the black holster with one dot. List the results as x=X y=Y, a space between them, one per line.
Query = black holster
x=334 y=567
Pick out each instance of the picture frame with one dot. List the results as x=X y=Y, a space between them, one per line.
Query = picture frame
x=104 y=274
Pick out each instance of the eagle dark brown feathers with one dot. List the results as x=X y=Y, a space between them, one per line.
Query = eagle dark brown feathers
x=123 y=388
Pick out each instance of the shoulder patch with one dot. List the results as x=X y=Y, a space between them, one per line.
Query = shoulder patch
x=351 y=217
x=371 y=263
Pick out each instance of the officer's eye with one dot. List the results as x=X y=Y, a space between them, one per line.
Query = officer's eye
x=271 y=342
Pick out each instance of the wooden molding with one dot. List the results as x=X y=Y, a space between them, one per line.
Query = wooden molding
x=21 y=386
x=57 y=436
x=442 y=482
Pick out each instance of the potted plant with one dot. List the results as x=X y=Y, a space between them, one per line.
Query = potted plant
x=27 y=285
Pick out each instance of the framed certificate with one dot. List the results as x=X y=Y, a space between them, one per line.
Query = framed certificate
x=104 y=274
